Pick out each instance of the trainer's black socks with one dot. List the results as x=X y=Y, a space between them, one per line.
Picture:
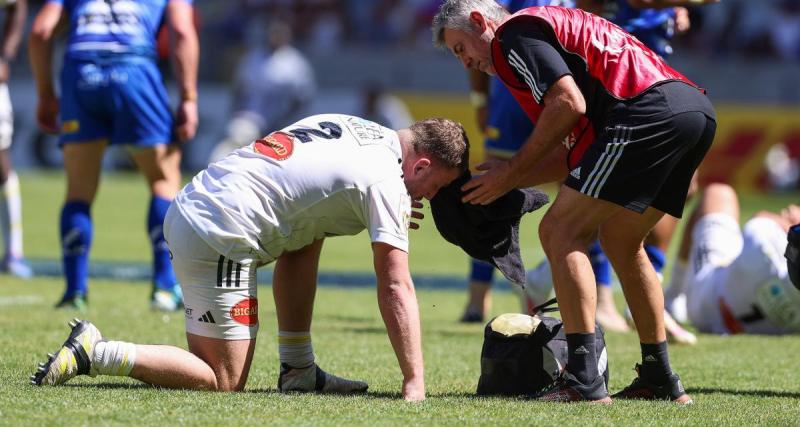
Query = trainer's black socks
x=655 y=362
x=582 y=358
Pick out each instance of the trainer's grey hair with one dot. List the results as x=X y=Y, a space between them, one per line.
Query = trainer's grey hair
x=454 y=14
x=442 y=139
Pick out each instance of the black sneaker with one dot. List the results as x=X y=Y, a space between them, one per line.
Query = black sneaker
x=470 y=316
x=73 y=302
x=313 y=379
x=643 y=389
x=567 y=388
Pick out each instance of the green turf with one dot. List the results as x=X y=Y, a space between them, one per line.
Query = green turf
x=734 y=380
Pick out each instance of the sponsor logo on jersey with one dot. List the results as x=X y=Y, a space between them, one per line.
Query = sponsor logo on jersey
x=246 y=312
x=365 y=129
x=70 y=126
x=277 y=145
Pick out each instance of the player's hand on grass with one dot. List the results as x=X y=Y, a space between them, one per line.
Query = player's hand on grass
x=415 y=214
x=187 y=120
x=47 y=114
x=498 y=180
x=414 y=390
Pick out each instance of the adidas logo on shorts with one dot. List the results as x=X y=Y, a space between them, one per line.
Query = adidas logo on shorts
x=576 y=173
x=206 y=318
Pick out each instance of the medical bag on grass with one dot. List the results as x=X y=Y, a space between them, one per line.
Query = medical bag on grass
x=523 y=354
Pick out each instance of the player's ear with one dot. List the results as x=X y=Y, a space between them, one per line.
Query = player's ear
x=478 y=21
x=422 y=164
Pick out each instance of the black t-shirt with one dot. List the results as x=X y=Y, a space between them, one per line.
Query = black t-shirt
x=539 y=61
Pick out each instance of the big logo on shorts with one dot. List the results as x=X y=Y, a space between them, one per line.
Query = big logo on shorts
x=246 y=312
x=277 y=145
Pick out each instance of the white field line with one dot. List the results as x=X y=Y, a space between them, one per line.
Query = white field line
x=20 y=300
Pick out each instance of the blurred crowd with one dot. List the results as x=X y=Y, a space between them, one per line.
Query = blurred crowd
x=764 y=28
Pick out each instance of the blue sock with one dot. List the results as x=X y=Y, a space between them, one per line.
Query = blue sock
x=76 y=240
x=163 y=275
x=481 y=271
x=656 y=256
x=600 y=264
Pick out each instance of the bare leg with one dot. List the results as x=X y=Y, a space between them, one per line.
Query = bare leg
x=621 y=237
x=480 y=300
x=5 y=165
x=294 y=287
x=82 y=163
x=160 y=166
x=213 y=364
x=566 y=231
x=607 y=314
x=662 y=232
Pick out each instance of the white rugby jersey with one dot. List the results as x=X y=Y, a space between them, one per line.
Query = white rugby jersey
x=758 y=285
x=326 y=175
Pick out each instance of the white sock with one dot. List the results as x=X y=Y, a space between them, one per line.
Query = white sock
x=11 y=216
x=677 y=279
x=295 y=348
x=113 y=358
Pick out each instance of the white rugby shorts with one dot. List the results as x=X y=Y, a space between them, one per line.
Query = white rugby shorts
x=716 y=243
x=220 y=295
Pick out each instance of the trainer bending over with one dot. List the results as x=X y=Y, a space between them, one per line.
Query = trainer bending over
x=635 y=129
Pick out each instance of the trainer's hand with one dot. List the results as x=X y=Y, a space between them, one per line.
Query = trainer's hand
x=486 y=188
x=415 y=214
x=187 y=120
x=414 y=390
x=47 y=114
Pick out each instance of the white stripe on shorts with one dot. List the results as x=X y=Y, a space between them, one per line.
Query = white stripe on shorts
x=607 y=161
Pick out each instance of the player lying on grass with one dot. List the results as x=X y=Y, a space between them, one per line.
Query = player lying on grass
x=276 y=200
x=736 y=280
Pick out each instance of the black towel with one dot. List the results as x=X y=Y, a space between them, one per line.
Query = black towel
x=486 y=232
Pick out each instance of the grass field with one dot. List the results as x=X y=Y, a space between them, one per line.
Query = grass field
x=734 y=380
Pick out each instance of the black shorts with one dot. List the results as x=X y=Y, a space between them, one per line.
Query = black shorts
x=649 y=163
